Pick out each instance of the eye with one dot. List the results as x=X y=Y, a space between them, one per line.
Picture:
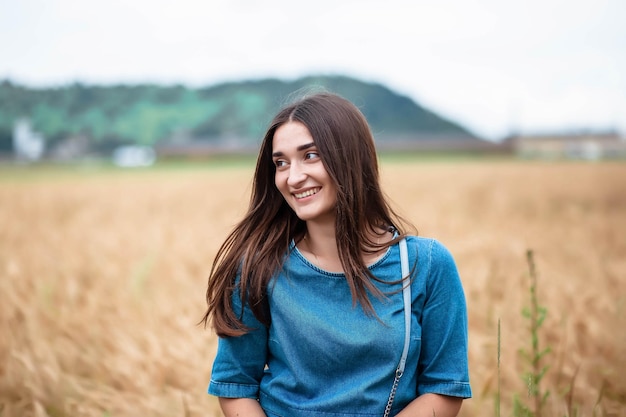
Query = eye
x=311 y=155
x=280 y=163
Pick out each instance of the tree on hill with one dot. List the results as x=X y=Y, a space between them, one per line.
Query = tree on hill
x=151 y=114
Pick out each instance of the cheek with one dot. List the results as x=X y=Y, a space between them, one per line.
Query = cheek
x=280 y=182
x=334 y=195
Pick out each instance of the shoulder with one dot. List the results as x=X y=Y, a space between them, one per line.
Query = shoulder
x=430 y=248
x=434 y=261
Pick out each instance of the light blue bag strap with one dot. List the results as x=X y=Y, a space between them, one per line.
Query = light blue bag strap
x=406 y=293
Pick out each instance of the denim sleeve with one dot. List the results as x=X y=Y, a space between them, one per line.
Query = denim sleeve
x=443 y=364
x=240 y=361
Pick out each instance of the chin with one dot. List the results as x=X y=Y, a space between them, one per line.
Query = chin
x=315 y=217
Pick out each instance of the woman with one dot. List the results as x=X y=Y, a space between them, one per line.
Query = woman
x=306 y=294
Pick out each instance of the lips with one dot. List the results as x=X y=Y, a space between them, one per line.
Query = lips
x=307 y=193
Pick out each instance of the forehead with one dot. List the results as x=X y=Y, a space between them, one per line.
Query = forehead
x=291 y=135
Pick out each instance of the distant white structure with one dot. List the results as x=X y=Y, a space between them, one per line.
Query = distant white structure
x=132 y=156
x=27 y=144
x=585 y=146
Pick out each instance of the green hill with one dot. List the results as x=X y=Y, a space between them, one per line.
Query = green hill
x=107 y=116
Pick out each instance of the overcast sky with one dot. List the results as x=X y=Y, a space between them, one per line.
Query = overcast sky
x=494 y=66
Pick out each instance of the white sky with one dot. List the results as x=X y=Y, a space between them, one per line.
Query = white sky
x=492 y=65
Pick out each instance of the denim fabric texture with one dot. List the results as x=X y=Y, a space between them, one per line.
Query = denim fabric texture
x=323 y=356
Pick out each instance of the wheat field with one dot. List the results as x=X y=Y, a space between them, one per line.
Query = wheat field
x=102 y=280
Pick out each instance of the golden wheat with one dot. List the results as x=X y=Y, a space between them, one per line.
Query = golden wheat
x=102 y=281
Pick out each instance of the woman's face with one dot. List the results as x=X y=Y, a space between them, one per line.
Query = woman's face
x=300 y=174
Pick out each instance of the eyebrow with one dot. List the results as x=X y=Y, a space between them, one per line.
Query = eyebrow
x=299 y=148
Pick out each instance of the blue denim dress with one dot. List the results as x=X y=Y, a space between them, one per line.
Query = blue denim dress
x=322 y=356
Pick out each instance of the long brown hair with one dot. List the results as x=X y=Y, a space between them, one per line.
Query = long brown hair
x=255 y=249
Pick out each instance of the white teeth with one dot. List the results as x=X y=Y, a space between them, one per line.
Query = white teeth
x=307 y=193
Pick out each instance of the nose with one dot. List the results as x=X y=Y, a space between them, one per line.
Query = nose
x=297 y=174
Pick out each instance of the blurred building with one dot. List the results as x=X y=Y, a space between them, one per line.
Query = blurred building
x=585 y=146
x=71 y=148
x=28 y=144
x=132 y=156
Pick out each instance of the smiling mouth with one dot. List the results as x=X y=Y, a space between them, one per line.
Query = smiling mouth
x=307 y=193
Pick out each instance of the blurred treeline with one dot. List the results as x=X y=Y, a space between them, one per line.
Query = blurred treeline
x=148 y=114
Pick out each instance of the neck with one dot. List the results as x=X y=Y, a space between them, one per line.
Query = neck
x=321 y=240
x=319 y=245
